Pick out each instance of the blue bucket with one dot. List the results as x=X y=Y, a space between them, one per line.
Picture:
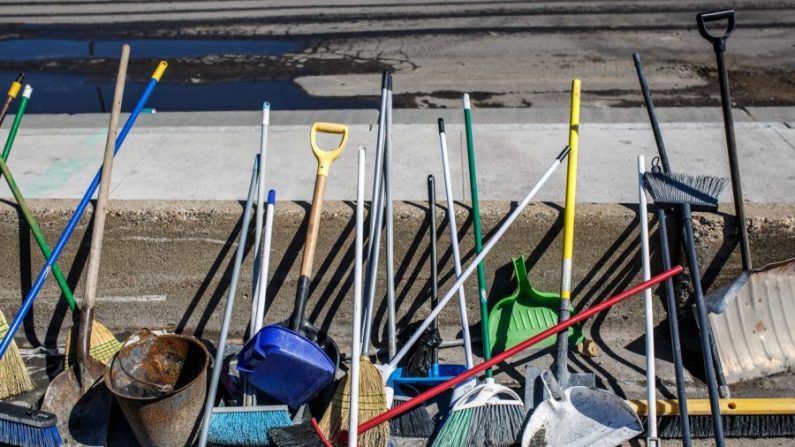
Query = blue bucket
x=285 y=365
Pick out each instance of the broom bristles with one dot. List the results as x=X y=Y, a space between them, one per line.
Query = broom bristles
x=14 y=376
x=372 y=402
x=734 y=426
x=298 y=435
x=485 y=425
x=103 y=347
x=246 y=426
x=672 y=187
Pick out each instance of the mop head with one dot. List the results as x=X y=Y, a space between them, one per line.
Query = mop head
x=103 y=345
x=14 y=377
x=28 y=428
x=415 y=423
x=489 y=414
x=372 y=402
x=246 y=426
x=701 y=190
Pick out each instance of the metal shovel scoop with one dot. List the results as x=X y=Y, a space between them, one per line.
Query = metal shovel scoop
x=78 y=396
x=580 y=416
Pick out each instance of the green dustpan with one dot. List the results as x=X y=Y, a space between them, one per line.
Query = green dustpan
x=525 y=313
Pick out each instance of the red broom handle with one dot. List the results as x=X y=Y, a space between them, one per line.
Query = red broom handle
x=438 y=389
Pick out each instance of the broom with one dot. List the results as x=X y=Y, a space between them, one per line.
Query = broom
x=103 y=343
x=337 y=416
x=742 y=418
x=303 y=435
x=14 y=377
x=29 y=428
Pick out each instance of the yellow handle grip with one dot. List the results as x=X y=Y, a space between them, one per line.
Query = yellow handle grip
x=161 y=68
x=325 y=157
x=13 y=91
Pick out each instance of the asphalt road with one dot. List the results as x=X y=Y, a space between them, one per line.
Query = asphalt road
x=507 y=53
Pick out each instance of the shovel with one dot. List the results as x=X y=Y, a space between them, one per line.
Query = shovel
x=294 y=361
x=78 y=396
x=580 y=416
x=753 y=335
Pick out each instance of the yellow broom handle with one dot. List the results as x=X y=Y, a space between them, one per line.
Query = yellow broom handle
x=571 y=187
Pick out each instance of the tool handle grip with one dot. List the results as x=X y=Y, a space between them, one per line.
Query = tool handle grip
x=325 y=157
x=719 y=41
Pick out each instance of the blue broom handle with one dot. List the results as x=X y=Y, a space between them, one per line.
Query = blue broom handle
x=70 y=226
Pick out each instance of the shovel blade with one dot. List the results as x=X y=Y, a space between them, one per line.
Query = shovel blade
x=82 y=416
x=584 y=417
x=751 y=323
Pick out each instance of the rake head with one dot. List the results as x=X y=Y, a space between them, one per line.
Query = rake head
x=700 y=191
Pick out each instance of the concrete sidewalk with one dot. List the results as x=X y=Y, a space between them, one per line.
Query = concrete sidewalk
x=208 y=156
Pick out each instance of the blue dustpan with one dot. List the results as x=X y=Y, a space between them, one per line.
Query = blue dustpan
x=408 y=386
x=285 y=365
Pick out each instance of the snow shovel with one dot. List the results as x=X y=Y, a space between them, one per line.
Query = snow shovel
x=78 y=396
x=748 y=316
x=580 y=416
x=294 y=365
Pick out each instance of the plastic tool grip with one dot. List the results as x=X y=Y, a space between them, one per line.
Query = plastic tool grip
x=705 y=17
x=325 y=157
x=161 y=68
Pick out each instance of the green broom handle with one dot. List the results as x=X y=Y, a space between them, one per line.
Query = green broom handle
x=473 y=185
x=34 y=227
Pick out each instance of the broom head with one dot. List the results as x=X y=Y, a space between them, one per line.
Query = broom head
x=14 y=376
x=246 y=426
x=700 y=191
x=103 y=347
x=372 y=402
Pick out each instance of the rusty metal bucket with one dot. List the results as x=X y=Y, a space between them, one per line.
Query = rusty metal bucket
x=160 y=382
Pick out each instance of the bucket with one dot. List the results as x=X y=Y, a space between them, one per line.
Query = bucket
x=160 y=382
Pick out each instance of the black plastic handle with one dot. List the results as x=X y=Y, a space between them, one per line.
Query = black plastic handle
x=440 y=123
x=719 y=42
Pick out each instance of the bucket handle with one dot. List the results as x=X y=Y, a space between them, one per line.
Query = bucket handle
x=718 y=42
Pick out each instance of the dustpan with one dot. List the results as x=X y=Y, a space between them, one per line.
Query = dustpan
x=285 y=365
x=525 y=313
x=580 y=417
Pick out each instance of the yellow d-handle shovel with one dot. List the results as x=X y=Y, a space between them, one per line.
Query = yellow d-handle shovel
x=324 y=160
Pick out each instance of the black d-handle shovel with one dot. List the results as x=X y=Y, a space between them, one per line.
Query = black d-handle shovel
x=719 y=45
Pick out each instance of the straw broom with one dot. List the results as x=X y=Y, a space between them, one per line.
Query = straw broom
x=371 y=398
x=14 y=376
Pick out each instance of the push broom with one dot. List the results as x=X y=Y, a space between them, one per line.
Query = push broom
x=73 y=221
x=297 y=435
x=305 y=435
x=103 y=343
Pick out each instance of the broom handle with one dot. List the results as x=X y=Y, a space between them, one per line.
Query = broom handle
x=434 y=268
x=473 y=187
x=648 y=310
x=31 y=221
x=356 y=346
x=562 y=343
x=655 y=125
x=472 y=265
x=75 y=219
x=376 y=216
x=230 y=305
x=438 y=389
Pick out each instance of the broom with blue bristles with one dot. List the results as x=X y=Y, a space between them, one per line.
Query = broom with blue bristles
x=28 y=428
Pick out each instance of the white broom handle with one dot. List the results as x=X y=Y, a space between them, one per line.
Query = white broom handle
x=474 y=264
x=357 y=305
x=265 y=258
x=448 y=189
x=647 y=303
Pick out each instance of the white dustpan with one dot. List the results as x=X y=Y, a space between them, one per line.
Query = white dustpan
x=580 y=417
